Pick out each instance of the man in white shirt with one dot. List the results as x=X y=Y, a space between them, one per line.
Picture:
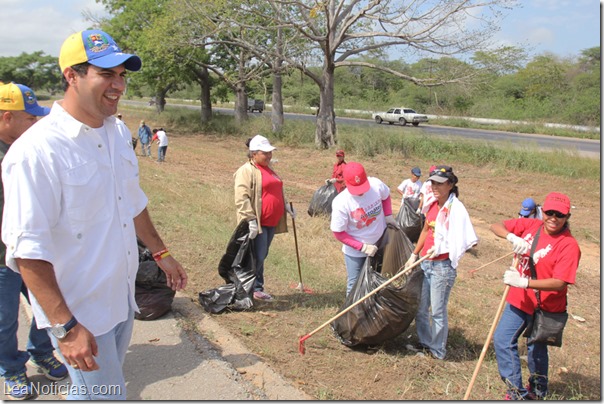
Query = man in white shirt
x=73 y=210
x=410 y=187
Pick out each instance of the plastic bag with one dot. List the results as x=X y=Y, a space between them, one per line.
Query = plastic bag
x=390 y=311
x=410 y=221
x=320 y=204
x=151 y=292
x=238 y=268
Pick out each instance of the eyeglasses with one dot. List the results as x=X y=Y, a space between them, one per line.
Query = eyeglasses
x=559 y=215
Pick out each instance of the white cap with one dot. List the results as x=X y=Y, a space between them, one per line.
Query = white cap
x=261 y=143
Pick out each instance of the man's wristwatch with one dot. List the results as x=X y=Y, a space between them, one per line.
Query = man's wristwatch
x=60 y=331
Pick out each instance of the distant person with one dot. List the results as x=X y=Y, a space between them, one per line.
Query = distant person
x=19 y=110
x=410 y=187
x=360 y=214
x=260 y=200
x=162 y=145
x=145 y=135
x=74 y=178
x=337 y=175
x=530 y=210
x=426 y=196
x=556 y=256
x=447 y=234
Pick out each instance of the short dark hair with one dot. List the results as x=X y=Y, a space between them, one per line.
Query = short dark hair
x=80 y=68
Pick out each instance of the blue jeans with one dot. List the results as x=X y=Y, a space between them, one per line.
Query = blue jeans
x=433 y=327
x=161 y=153
x=12 y=360
x=146 y=148
x=505 y=340
x=353 y=270
x=262 y=243
x=106 y=383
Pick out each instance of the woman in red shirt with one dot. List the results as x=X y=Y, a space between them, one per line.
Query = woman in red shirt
x=337 y=176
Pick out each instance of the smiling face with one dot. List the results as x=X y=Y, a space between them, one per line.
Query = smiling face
x=552 y=223
x=94 y=96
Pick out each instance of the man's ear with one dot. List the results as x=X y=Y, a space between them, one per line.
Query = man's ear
x=70 y=75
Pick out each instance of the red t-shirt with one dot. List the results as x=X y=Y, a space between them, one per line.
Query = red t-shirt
x=429 y=242
x=338 y=174
x=273 y=205
x=555 y=257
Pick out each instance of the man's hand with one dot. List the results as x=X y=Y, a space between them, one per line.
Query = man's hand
x=519 y=245
x=512 y=277
x=253 y=226
x=411 y=260
x=369 y=249
x=79 y=349
x=175 y=274
x=391 y=222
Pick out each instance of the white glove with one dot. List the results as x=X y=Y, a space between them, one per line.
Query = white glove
x=411 y=260
x=512 y=277
x=369 y=249
x=418 y=211
x=253 y=225
x=291 y=211
x=520 y=245
x=391 y=222
x=328 y=181
x=431 y=253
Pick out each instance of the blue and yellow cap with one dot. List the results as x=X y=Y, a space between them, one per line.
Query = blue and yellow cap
x=17 y=97
x=97 y=48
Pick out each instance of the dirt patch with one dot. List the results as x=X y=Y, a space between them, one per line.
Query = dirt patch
x=330 y=370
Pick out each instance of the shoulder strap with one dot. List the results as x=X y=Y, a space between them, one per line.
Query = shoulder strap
x=532 y=263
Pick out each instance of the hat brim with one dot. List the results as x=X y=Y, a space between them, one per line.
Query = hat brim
x=358 y=189
x=130 y=62
x=438 y=178
x=38 y=110
x=267 y=149
x=524 y=212
x=559 y=207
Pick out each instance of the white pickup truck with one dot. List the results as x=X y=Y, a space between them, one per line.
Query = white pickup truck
x=400 y=115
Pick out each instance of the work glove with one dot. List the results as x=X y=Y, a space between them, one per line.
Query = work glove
x=411 y=260
x=418 y=211
x=330 y=181
x=369 y=249
x=512 y=277
x=391 y=222
x=253 y=225
x=519 y=245
x=291 y=211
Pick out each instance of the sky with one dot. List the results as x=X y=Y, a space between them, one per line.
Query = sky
x=563 y=27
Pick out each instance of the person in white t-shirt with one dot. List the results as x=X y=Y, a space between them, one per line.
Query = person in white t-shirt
x=426 y=196
x=162 y=143
x=410 y=187
x=359 y=217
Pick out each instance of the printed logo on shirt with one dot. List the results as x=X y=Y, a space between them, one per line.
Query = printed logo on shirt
x=523 y=265
x=364 y=218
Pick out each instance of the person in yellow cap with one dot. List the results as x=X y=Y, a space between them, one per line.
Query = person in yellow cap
x=19 y=110
x=74 y=178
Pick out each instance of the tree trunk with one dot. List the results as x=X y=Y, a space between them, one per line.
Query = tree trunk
x=206 y=101
x=160 y=98
x=325 y=135
x=277 y=103
x=240 y=102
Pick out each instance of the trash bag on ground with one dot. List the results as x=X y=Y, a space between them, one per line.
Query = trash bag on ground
x=390 y=311
x=151 y=292
x=238 y=268
x=320 y=204
x=410 y=221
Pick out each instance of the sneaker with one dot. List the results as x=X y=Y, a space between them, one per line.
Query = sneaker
x=260 y=295
x=51 y=367
x=17 y=387
x=533 y=394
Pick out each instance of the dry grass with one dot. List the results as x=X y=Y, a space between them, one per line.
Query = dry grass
x=191 y=202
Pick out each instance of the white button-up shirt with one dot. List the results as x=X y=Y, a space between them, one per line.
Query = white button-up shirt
x=70 y=199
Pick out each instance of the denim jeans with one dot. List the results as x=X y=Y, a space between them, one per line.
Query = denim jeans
x=106 y=383
x=505 y=340
x=12 y=360
x=433 y=325
x=262 y=243
x=161 y=153
x=353 y=270
x=146 y=148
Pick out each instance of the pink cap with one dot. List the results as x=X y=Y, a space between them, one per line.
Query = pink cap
x=557 y=201
x=356 y=179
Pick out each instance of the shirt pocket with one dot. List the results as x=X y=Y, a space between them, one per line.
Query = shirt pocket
x=130 y=178
x=83 y=193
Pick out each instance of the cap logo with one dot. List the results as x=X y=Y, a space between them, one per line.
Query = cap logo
x=97 y=43
x=29 y=97
x=357 y=179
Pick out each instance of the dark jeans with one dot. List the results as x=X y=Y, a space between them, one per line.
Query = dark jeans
x=161 y=153
x=262 y=243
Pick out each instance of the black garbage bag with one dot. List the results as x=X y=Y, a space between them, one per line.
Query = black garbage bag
x=390 y=311
x=238 y=268
x=320 y=204
x=151 y=292
x=410 y=221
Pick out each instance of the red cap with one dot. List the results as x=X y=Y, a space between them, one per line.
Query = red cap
x=356 y=179
x=340 y=153
x=557 y=201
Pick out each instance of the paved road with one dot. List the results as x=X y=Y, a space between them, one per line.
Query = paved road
x=172 y=358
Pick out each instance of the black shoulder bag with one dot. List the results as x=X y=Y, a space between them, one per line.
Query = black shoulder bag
x=546 y=327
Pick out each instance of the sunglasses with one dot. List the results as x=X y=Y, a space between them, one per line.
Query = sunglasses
x=559 y=215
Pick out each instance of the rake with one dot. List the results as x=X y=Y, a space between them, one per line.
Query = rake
x=300 y=286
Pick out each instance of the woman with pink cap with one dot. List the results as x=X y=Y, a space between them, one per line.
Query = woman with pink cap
x=555 y=257
x=359 y=217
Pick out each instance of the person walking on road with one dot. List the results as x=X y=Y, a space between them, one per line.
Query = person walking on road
x=337 y=176
x=73 y=210
x=260 y=200
x=145 y=135
x=447 y=234
x=359 y=216
x=555 y=257
x=19 y=110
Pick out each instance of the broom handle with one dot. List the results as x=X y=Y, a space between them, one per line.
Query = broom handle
x=491 y=332
x=296 y=241
x=373 y=292
x=489 y=263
